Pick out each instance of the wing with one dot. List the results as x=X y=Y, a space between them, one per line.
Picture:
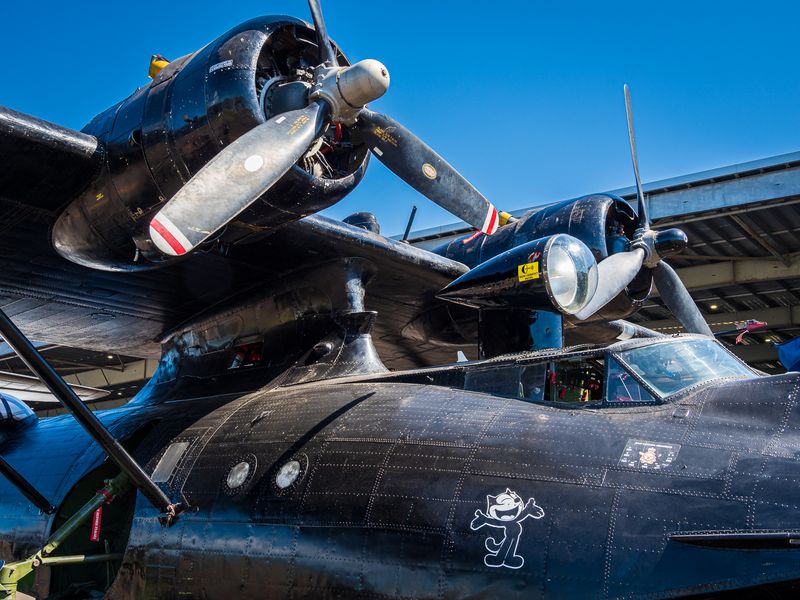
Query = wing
x=402 y=291
x=44 y=165
x=54 y=300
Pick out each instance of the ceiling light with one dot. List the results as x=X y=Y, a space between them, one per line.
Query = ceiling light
x=110 y=357
x=713 y=307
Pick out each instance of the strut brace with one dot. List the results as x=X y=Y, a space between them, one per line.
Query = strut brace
x=12 y=573
x=87 y=419
x=24 y=486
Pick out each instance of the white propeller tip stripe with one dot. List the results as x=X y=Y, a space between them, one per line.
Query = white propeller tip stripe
x=491 y=222
x=167 y=237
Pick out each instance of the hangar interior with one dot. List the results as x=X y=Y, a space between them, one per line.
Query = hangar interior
x=742 y=262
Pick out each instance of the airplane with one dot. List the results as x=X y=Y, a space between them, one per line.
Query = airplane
x=306 y=433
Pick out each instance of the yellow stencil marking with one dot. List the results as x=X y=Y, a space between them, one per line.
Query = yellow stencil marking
x=301 y=120
x=528 y=271
x=384 y=136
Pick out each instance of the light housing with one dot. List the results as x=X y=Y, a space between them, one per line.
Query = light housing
x=555 y=272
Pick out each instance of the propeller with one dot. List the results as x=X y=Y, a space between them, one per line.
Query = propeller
x=644 y=221
x=413 y=161
x=647 y=249
x=326 y=52
x=235 y=177
x=244 y=170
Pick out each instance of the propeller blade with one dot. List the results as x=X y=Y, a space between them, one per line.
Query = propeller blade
x=419 y=166
x=326 y=52
x=613 y=275
x=234 y=179
x=644 y=221
x=678 y=300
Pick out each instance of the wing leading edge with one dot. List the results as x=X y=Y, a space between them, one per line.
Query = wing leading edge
x=44 y=165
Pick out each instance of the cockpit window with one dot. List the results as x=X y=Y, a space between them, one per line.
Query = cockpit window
x=599 y=378
x=623 y=387
x=13 y=410
x=672 y=366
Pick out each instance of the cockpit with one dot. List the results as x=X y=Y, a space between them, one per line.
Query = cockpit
x=668 y=368
x=14 y=412
x=635 y=372
x=646 y=373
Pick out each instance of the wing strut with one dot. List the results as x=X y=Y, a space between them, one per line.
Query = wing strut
x=88 y=420
x=24 y=486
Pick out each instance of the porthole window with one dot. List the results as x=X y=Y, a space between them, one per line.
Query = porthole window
x=239 y=474
x=288 y=474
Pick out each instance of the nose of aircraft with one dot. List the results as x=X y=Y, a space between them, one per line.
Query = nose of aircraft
x=753 y=426
x=759 y=416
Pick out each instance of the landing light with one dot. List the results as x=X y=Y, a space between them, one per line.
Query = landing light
x=571 y=273
x=558 y=272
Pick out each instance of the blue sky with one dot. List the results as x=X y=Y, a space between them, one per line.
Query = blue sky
x=524 y=98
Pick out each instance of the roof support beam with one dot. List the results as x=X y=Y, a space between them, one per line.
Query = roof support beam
x=705 y=257
x=737 y=272
x=756 y=353
x=708 y=191
x=759 y=239
x=140 y=370
x=775 y=318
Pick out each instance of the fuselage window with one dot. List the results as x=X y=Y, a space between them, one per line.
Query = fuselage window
x=578 y=381
x=531 y=382
x=575 y=381
x=503 y=382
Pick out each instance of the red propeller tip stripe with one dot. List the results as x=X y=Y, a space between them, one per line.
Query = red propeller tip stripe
x=166 y=235
x=491 y=223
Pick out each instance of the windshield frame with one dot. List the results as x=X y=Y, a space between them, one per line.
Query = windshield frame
x=617 y=354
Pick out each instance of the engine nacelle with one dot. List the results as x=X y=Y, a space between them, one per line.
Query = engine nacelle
x=605 y=223
x=159 y=137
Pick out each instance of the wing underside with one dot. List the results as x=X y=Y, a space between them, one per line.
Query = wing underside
x=44 y=166
x=53 y=300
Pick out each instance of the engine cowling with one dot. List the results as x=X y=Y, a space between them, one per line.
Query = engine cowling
x=159 y=137
x=604 y=222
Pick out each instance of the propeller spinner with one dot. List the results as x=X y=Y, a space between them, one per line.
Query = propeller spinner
x=647 y=249
x=244 y=170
